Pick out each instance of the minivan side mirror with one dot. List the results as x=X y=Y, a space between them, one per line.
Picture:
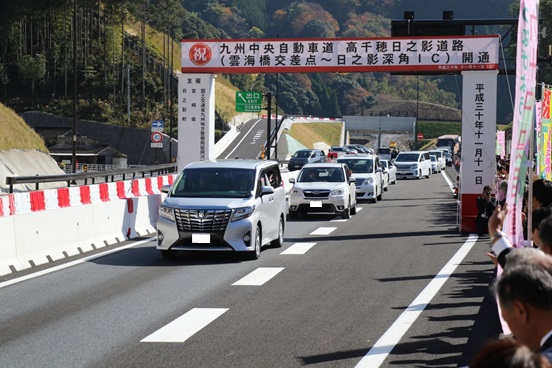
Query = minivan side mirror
x=165 y=188
x=267 y=190
x=292 y=180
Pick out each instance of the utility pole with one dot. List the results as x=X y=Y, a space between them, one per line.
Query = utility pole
x=128 y=92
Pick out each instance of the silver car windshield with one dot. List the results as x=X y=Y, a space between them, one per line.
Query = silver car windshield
x=214 y=183
x=328 y=174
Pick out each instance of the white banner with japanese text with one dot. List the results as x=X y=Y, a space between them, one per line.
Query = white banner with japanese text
x=396 y=54
x=196 y=118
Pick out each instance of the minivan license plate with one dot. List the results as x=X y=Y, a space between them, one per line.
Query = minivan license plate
x=316 y=204
x=201 y=238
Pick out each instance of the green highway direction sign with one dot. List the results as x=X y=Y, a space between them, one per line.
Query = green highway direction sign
x=248 y=101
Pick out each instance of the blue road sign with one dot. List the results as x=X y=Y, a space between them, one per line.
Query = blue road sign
x=157 y=125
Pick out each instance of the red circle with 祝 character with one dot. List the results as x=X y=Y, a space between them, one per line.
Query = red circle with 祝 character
x=200 y=54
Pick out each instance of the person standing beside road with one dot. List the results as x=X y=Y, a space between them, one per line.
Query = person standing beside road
x=525 y=298
x=508 y=353
x=485 y=208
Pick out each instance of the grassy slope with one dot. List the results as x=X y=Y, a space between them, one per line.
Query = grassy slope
x=310 y=133
x=16 y=134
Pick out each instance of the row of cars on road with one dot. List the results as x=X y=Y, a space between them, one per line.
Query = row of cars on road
x=309 y=156
x=242 y=205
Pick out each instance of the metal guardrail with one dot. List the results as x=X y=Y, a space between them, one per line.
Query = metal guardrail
x=106 y=175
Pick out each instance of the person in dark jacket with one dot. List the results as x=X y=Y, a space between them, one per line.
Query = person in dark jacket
x=485 y=208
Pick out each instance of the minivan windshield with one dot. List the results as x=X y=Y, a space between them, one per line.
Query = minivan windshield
x=359 y=166
x=384 y=151
x=214 y=183
x=407 y=157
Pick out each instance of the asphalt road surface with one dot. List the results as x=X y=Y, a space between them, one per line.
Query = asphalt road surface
x=248 y=144
x=394 y=286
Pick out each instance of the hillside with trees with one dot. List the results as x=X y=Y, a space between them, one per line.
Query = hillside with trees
x=127 y=49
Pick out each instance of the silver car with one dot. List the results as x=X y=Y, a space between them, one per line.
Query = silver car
x=323 y=188
x=225 y=205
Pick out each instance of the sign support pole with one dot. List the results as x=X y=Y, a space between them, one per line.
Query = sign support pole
x=268 y=125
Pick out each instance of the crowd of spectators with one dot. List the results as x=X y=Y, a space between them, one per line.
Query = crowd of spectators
x=524 y=288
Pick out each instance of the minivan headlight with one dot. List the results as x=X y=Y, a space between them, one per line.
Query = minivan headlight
x=166 y=212
x=241 y=213
x=369 y=180
x=414 y=167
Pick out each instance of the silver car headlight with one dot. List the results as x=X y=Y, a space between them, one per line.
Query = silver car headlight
x=337 y=192
x=241 y=213
x=295 y=191
x=167 y=213
x=369 y=180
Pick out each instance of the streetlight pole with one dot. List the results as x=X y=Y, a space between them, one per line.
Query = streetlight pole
x=416 y=123
x=74 y=166
x=379 y=132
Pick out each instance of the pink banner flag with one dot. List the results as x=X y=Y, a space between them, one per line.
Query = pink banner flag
x=526 y=70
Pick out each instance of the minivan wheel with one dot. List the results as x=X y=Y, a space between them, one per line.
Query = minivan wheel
x=168 y=254
x=381 y=194
x=256 y=253
x=277 y=243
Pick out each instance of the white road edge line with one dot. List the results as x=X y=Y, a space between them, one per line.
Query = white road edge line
x=71 y=264
x=448 y=180
x=259 y=276
x=383 y=347
x=185 y=326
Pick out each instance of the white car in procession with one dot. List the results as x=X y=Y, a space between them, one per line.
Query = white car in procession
x=435 y=164
x=323 y=188
x=224 y=205
x=368 y=175
x=413 y=164
x=440 y=154
x=389 y=169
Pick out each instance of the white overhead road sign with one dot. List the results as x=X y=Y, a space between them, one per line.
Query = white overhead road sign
x=444 y=54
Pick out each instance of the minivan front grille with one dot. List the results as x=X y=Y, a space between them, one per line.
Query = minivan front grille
x=205 y=221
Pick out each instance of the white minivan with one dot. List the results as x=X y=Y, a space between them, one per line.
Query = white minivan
x=224 y=205
x=368 y=175
x=413 y=164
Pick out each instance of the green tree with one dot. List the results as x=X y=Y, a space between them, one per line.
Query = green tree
x=33 y=69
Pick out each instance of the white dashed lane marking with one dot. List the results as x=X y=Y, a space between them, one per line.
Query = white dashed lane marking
x=298 y=248
x=259 y=276
x=185 y=326
x=323 y=231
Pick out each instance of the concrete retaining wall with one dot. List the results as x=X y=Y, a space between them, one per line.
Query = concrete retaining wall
x=47 y=225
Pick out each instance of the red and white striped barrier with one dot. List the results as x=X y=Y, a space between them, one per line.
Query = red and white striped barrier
x=50 y=199
x=46 y=225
